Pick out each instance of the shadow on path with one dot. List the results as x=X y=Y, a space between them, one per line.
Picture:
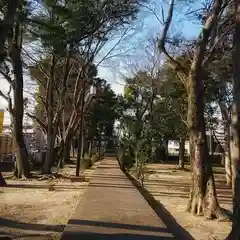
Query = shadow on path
x=119 y=236
x=30 y=226
x=176 y=229
x=118 y=225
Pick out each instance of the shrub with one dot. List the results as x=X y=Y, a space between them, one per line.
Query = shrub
x=94 y=158
x=87 y=161
x=124 y=158
x=140 y=167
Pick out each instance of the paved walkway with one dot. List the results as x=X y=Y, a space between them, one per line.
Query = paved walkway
x=112 y=208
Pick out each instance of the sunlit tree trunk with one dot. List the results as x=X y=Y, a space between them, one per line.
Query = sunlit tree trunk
x=181 y=152
x=228 y=142
x=203 y=184
x=235 y=128
x=90 y=149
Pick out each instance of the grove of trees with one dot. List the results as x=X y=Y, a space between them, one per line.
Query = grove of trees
x=185 y=88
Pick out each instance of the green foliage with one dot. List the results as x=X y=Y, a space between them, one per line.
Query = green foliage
x=140 y=168
x=57 y=25
x=102 y=112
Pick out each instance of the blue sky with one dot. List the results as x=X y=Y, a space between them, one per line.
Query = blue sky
x=151 y=27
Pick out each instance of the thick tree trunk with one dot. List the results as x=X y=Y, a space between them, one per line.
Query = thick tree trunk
x=228 y=141
x=227 y=162
x=66 y=151
x=165 y=145
x=6 y=24
x=50 y=155
x=22 y=164
x=235 y=128
x=2 y=181
x=181 y=152
x=203 y=185
x=90 y=149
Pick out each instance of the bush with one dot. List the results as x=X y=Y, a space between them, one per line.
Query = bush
x=94 y=158
x=124 y=158
x=141 y=171
x=140 y=167
x=87 y=163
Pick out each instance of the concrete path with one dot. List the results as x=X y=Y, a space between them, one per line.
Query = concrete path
x=112 y=208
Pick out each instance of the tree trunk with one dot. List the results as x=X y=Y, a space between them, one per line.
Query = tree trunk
x=80 y=151
x=181 y=152
x=73 y=148
x=165 y=145
x=228 y=141
x=2 y=181
x=50 y=155
x=203 y=185
x=22 y=164
x=90 y=149
x=6 y=24
x=51 y=128
x=235 y=128
x=227 y=156
x=66 y=151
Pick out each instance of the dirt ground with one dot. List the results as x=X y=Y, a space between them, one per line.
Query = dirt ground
x=39 y=209
x=170 y=186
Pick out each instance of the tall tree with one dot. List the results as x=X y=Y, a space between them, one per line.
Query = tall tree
x=8 y=9
x=235 y=131
x=16 y=107
x=80 y=28
x=202 y=176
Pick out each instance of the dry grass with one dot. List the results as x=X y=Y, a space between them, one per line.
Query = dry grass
x=170 y=186
x=36 y=209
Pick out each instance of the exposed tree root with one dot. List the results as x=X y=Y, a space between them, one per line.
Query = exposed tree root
x=197 y=206
x=47 y=177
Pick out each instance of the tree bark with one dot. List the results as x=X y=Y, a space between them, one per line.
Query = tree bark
x=80 y=137
x=227 y=155
x=235 y=128
x=181 y=152
x=228 y=142
x=165 y=145
x=80 y=150
x=2 y=181
x=22 y=164
x=51 y=128
x=50 y=155
x=66 y=151
x=203 y=185
x=6 y=24
x=90 y=149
